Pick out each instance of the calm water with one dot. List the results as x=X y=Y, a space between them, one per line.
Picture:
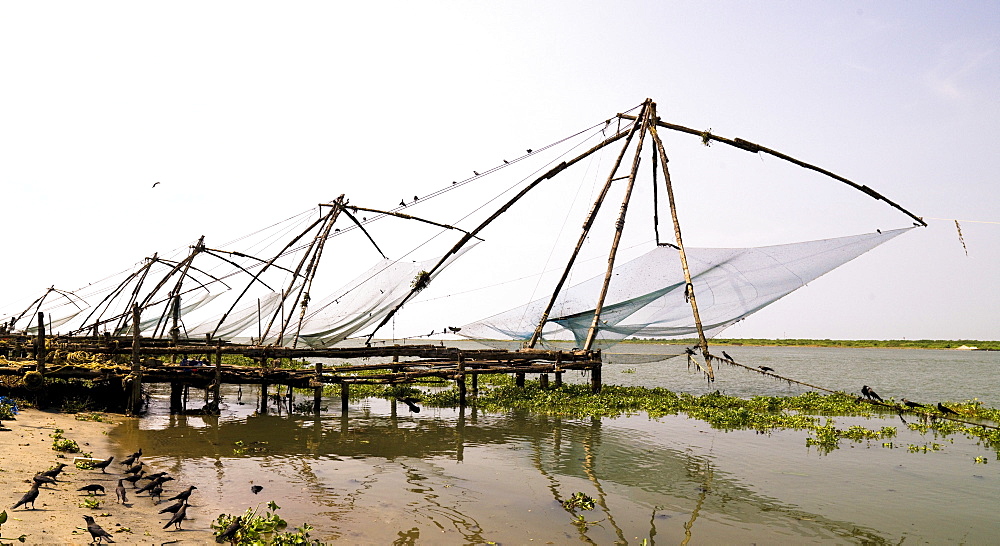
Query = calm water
x=383 y=475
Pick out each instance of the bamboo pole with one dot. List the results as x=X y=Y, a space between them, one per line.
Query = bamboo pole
x=689 y=286
x=591 y=217
x=40 y=345
x=619 y=229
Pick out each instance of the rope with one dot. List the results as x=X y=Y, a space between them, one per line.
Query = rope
x=894 y=407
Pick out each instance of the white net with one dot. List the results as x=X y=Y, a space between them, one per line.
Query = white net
x=646 y=296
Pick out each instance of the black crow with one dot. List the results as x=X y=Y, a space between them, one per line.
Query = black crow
x=92 y=488
x=155 y=183
x=689 y=351
x=230 y=531
x=154 y=475
x=178 y=517
x=152 y=484
x=131 y=459
x=174 y=507
x=529 y=150
x=103 y=464
x=96 y=532
x=402 y=203
x=39 y=479
x=134 y=478
x=183 y=495
x=120 y=493
x=256 y=489
x=725 y=354
x=946 y=410
x=870 y=393
x=136 y=468
x=28 y=498
x=766 y=368
x=156 y=492
x=54 y=472
x=911 y=404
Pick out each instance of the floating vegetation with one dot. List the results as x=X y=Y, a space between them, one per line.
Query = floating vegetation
x=245 y=448
x=252 y=528
x=760 y=413
x=579 y=501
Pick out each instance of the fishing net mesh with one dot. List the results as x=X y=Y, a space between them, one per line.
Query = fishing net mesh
x=647 y=296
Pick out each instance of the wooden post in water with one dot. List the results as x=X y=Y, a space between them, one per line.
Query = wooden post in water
x=318 y=390
x=217 y=387
x=176 y=397
x=40 y=345
x=559 y=371
x=475 y=385
x=543 y=380
x=263 y=398
x=134 y=403
x=595 y=377
x=519 y=379
x=460 y=378
x=345 y=397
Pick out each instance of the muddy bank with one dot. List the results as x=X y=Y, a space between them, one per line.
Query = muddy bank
x=58 y=516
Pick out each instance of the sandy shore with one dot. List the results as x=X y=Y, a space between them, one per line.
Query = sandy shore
x=58 y=517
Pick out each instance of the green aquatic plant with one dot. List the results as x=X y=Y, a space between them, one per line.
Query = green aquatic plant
x=267 y=529
x=579 y=501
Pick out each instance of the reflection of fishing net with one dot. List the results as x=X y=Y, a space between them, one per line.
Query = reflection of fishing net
x=646 y=296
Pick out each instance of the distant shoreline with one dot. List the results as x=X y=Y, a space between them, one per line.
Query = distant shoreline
x=961 y=344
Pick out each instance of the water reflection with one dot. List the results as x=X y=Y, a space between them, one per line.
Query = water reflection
x=379 y=475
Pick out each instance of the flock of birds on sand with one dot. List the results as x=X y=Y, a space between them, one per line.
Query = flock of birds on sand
x=134 y=474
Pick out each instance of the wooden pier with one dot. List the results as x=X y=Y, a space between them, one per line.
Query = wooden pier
x=135 y=361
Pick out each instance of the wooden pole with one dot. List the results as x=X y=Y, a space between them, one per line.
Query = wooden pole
x=135 y=389
x=460 y=378
x=263 y=398
x=217 y=388
x=40 y=345
x=475 y=385
x=619 y=228
x=345 y=397
x=583 y=236
x=689 y=286
x=318 y=390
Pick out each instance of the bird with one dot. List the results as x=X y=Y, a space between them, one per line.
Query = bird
x=154 y=475
x=879 y=231
x=178 y=517
x=120 y=493
x=54 y=472
x=92 y=488
x=173 y=507
x=415 y=198
x=505 y=162
x=529 y=150
x=231 y=530
x=766 y=368
x=155 y=184
x=183 y=495
x=96 y=532
x=411 y=404
x=475 y=173
x=402 y=203
x=946 y=410
x=454 y=329
x=103 y=464
x=912 y=404
x=136 y=468
x=134 y=478
x=131 y=459
x=725 y=354
x=156 y=492
x=153 y=483
x=870 y=393
x=689 y=351
x=28 y=498
x=256 y=489
x=39 y=479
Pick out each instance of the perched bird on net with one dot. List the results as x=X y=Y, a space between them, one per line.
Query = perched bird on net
x=725 y=354
x=96 y=532
x=766 y=368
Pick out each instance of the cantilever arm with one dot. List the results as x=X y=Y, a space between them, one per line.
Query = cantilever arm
x=751 y=147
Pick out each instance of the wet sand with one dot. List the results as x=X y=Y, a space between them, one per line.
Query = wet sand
x=26 y=449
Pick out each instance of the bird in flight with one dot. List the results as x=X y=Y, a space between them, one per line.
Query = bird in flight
x=155 y=183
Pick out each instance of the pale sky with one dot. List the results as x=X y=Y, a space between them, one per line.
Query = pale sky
x=250 y=112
